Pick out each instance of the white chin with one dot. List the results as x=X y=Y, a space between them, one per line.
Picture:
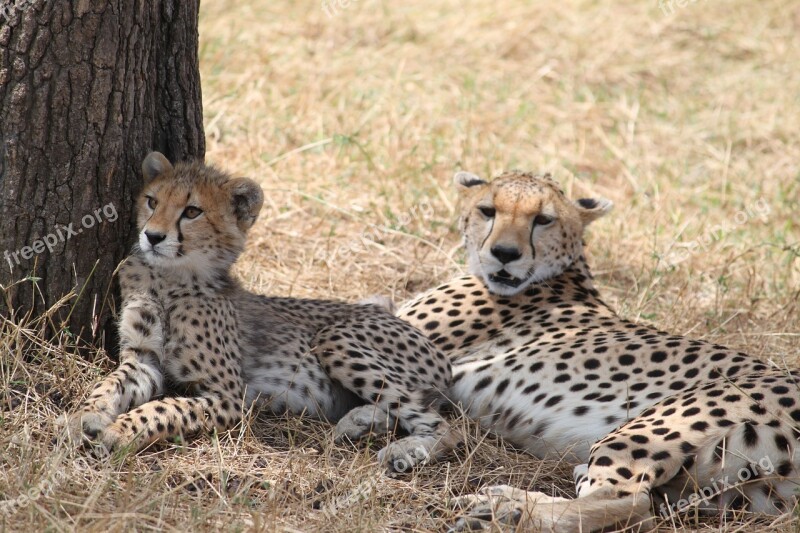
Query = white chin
x=159 y=259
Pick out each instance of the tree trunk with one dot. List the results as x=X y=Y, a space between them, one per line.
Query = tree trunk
x=87 y=89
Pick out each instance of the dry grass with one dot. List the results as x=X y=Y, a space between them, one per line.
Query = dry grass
x=354 y=124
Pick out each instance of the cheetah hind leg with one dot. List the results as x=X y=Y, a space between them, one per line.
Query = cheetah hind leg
x=400 y=380
x=430 y=436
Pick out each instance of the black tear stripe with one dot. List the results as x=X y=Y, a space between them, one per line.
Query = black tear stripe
x=533 y=248
x=491 y=229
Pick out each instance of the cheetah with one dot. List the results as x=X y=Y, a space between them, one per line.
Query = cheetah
x=654 y=419
x=196 y=349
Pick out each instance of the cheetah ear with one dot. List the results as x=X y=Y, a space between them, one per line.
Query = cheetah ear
x=246 y=199
x=465 y=180
x=154 y=165
x=590 y=209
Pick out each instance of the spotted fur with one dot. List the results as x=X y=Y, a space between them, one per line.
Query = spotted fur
x=191 y=333
x=540 y=359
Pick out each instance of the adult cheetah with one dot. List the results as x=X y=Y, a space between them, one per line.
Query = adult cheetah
x=188 y=329
x=540 y=359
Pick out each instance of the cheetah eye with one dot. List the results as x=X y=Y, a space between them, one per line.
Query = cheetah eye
x=192 y=212
x=543 y=220
x=151 y=202
x=488 y=212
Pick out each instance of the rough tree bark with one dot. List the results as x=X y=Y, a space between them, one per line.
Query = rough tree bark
x=87 y=89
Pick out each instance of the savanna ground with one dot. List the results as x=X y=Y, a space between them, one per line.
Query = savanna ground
x=354 y=120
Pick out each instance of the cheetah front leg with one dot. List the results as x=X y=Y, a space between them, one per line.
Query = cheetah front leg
x=500 y=504
x=612 y=493
x=625 y=508
x=137 y=379
x=172 y=417
x=203 y=360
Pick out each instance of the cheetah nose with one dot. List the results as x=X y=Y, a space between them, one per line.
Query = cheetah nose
x=154 y=237
x=506 y=254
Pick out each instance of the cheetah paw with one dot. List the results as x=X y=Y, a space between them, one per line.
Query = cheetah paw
x=406 y=453
x=495 y=506
x=85 y=426
x=363 y=421
x=117 y=437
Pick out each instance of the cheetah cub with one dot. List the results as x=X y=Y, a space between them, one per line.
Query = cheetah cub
x=197 y=349
x=540 y=359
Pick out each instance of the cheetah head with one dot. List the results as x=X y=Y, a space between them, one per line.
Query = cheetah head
x=521 y=229
x=194 y=217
